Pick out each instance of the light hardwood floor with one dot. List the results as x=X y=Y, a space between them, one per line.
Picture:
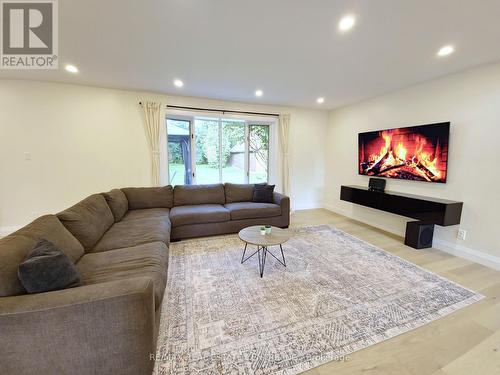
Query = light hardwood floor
x=466 y=342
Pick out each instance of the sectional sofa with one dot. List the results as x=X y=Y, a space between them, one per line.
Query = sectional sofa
x=119 y=243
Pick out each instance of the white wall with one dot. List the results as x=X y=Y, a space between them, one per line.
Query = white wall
x=85 y=139
x=471 y=102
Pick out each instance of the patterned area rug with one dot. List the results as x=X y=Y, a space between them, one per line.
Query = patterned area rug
x=337 y=295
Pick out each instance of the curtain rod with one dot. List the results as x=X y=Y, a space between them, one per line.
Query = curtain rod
x=223 y=111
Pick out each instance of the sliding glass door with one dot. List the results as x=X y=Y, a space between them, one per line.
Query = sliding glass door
x=234 y=158
x=258 y=153
x=207 y=151
x=179 y=152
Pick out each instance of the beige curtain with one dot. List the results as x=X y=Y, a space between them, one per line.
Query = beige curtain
x=284 y=126
x=152 y=119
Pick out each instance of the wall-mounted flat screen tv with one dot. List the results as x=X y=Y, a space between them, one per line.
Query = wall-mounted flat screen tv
x=418 y=153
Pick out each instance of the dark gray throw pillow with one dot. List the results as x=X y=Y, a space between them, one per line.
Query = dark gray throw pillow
x=47 y=268
x=263 y=193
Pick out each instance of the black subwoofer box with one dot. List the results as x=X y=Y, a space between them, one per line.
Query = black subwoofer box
x=419 y=234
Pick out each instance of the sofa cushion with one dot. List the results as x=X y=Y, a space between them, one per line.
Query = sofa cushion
x=135 y=232
x=238 y=192
x=88 y=220
x=143 y=260
x=147 y=213
x=251 y=210
x=263 y=193
x=48 y=227
x=198 y=214
x=47 y=268
x=117 y=202
x=186 y=195
x=13 y=250
x=149 y=197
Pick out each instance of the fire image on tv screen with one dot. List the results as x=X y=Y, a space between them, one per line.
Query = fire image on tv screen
x=418 y=153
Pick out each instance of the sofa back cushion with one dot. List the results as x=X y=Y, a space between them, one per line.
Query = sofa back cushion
x=117 y=202
x=199 y=194
x=238 y=192
x=149 y=197
x=13 y=250
x=48 y=227
x=88 y=220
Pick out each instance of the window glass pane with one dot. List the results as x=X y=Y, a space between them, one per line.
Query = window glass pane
x=207 y=151
x=179 y=152
x=258 y=153
x=233 y=151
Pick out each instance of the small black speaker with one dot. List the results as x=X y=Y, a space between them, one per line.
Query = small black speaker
x=376 y=184
x=419 y=234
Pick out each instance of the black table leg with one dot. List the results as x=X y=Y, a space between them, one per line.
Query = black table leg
x=264 y=255
x=274 y=256
x=243 y=259
x=260 y=266
x=283 y=255
x=244 y=250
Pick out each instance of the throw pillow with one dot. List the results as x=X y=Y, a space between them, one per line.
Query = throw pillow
x=263 y=193
x=47 y=268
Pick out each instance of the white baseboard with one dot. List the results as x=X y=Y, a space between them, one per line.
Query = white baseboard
x=473 y=255
x=294 y=208
x=4 y=231
x=467 y=253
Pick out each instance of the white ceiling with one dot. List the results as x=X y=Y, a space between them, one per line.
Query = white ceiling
x=291 y=49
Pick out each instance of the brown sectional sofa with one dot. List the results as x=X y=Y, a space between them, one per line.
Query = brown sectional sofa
x=119 y=243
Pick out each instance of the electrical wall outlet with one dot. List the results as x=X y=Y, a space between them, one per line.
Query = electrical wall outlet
x=462 y=233
x=27 y=155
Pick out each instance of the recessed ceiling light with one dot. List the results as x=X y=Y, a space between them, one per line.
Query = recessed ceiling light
x=259 y=93
x=178 y=83
x=445 y=51
x=320 y=100
x=346 y=23
x=71 y=68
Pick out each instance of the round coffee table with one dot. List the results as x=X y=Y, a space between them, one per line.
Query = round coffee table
x=252 y=236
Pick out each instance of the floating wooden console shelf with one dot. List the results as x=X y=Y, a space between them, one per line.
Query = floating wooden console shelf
x=427 y=210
